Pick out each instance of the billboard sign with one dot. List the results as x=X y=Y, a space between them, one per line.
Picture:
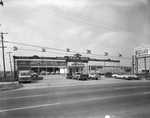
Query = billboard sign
x=142 y=51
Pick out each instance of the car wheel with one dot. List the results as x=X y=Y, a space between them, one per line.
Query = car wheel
x=124 y=78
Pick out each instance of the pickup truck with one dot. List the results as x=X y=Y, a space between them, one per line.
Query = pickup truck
x=80 y=76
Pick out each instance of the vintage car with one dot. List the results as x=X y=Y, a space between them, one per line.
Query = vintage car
x=127 y=76
x=94 y=76
x=80 y=76
x=24 y=75
x=34 y=74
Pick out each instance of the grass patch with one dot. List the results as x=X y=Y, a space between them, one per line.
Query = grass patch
x=10 y=86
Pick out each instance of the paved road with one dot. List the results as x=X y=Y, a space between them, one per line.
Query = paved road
x=129 y=100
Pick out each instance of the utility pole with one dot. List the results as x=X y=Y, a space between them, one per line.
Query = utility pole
x=3 y=53
x=10 y=61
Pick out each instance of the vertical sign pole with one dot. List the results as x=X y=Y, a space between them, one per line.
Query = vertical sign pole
x=145 y=67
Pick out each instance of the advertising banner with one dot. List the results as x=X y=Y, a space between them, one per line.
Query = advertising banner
x=142 y=51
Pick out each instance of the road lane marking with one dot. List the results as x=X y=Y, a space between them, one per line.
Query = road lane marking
x=100 y=98
x=21 y=97
x=29 y=107
x=127 y=87
x=30 y=96
x=70 y=102
x=146 y=92
x=40 y=95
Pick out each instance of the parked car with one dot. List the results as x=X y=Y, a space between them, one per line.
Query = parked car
x=94 y=76
x=128 y=76
x=80 y=76
x=47 y=73
x=43 y=73
x=24 y=75
x=57 y=72
x=52 y=73
x=34 y=74
x=114 y=75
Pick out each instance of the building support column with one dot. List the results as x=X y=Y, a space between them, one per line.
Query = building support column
x=145 y=68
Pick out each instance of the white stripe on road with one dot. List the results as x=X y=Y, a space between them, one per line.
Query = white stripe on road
x=21 y=97
x=146 y=92
x=126 y=87
x=30 y=96
x=20 y=108
x=70 y=102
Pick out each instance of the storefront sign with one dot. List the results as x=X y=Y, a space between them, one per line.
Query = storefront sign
x=39 y=63
x=76 y=64
x=80 y=59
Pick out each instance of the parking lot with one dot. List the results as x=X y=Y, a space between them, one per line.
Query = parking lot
x=60 y=81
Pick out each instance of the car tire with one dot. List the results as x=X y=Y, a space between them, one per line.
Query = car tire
x=125 y=78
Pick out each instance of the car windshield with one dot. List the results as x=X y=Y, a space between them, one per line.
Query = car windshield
x=25 y=73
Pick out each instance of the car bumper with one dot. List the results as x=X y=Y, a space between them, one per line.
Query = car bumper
x=24 y=79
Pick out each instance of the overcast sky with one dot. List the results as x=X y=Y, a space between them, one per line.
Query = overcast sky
x=113 y=26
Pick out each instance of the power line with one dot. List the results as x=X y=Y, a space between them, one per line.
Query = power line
x=92 y=19
x=88 y=18
x=59 y=49
x=73 y=19
x=106 y=45
x=81 y=42
x=37 y=50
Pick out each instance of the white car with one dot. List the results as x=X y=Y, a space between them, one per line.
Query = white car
x=94 y=76
x=47 y=73
x=114 y=75
x=24 y=75
x=128 y=76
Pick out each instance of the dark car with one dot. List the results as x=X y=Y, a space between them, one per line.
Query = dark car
x=80 y=76
x=34 y=74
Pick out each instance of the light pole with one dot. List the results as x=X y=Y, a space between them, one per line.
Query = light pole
x=10 y=61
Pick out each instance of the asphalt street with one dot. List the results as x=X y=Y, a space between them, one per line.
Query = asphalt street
x=122 y=100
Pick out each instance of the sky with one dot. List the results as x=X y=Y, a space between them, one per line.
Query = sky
x=112 y=26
